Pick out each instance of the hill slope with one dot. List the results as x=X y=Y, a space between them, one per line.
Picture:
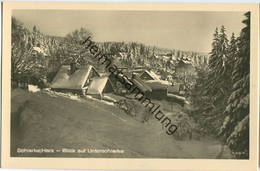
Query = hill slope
x=40 y=120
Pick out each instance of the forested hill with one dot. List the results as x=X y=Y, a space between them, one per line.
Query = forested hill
x=137 y=54
x=36 y=53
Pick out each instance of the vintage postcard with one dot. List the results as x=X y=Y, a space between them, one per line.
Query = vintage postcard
x=130 y=86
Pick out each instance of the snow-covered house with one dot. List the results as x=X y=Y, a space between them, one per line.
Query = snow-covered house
x=149 y=75
x=74 y=81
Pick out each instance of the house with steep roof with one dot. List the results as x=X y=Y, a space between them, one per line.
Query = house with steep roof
x=148 y=75
x=75 y=80
x=99 y=86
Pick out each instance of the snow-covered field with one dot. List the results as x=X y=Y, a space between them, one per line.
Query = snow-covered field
x=55 y=121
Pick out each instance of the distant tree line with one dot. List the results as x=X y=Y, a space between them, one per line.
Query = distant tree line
x=138 y=54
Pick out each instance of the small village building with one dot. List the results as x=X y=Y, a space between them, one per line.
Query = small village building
x=99 y=86
x=139 y=83
x=122 y=56
x=176 y=88
x=117 y=80
x=185 y=67
x=169 y=78
x=175 y=94
x=148 y=75
x=159 y=88
x=137 y=71
x=74 y=80
x=38 y=50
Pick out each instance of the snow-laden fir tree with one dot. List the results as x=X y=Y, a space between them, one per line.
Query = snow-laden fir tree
x=235 y=128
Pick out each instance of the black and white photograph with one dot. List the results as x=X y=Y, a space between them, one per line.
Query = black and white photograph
x=130 y=84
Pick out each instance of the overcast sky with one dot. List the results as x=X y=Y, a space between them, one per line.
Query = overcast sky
x=176 y=30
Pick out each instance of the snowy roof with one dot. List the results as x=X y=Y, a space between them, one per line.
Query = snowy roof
x=163 y=82
x=138 y=82
x=166 y=57
x=156 y=56
x=152 y=75
x=157 y=84
x=39 y=50
x=97 y=85
x=186 y=62
x=75 y=81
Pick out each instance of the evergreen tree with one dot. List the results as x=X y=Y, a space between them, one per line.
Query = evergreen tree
x=235 y=127
x=205 y=90
x=231 y=57
x=214 y=51
x=223 y=47
x=218 y=81
x=215 y=63
x=215 y=89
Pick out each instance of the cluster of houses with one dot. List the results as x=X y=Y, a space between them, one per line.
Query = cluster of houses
x=86 y=80
x=165 y=61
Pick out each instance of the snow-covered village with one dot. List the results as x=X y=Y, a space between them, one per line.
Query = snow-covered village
x=66 y=104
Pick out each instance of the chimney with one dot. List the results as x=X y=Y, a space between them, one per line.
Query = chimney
x=73 y=67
